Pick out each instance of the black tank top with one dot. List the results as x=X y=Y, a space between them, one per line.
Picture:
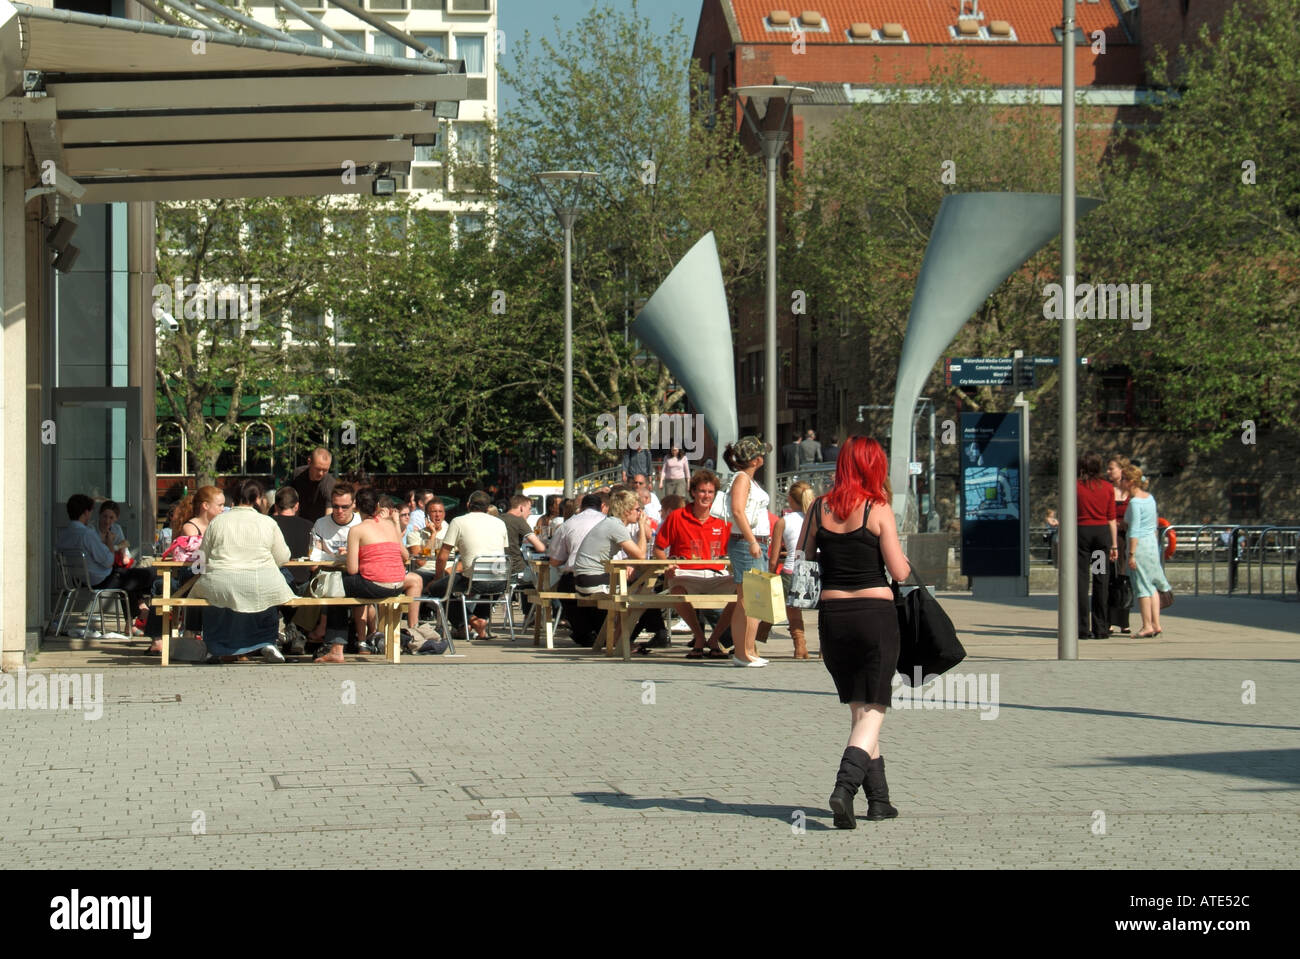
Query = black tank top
x=851 y=561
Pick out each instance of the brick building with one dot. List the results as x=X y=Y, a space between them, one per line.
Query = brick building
x=845 y=50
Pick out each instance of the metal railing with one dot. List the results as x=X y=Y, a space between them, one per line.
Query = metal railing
x=1223 y=558
x=819 y=475
x=1235 y=548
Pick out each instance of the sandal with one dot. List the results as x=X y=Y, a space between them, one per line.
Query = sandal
x=642 y=649
x=719 y=654
x=695 y=653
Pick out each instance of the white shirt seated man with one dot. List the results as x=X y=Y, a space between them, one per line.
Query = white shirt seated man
x=330 y=532
x=472 y=535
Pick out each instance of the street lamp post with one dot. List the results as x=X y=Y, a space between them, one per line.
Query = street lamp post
x=563 y=189
x=1067 y=622
x=772 y=141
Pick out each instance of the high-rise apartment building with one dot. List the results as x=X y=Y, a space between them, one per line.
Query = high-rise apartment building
x=464 y=30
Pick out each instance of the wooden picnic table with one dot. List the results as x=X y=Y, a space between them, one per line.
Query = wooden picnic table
x=630 y=597
x=389 y=610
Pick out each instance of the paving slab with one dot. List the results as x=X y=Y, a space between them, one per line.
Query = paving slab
x=1178 y=752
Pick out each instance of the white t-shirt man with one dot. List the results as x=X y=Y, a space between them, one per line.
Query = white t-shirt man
x=476 y=534
x=330 y=537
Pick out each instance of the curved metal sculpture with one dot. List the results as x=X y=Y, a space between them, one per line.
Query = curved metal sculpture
x=688 y=326
x=978 y=240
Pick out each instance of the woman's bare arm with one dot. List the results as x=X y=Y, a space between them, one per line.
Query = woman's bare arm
x=810 y=517
x=354 y=550
x=891 y=550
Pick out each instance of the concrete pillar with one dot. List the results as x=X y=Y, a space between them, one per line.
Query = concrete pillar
x=15 y=558
x=142 y=354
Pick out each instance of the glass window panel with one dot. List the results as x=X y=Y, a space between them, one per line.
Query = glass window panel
x=228 y=460
x=436 y=40
x=471 y=50
x=386 y=46
x=169 y=448
x=471 y=143
x=356 y=36
x=259 y=450
x=309 y=37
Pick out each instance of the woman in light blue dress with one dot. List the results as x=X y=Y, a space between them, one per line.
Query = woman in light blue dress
x=1144 y=551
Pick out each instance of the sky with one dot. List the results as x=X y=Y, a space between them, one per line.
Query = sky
x=538 y=18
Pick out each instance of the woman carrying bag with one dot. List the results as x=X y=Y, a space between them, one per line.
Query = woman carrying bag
x=745 y=506
x=785 y=538
x=852 y=533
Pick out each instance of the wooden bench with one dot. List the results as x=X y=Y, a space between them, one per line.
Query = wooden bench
x=390 y=610
x=541 y=596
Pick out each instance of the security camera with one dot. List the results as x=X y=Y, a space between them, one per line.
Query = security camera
x=63 y=185
x=165 y=319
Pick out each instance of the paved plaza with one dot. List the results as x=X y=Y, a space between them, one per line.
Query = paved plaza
x=1142 y=754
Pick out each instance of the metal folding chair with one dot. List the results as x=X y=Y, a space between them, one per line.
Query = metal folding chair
x=74 y=572
x=489 y=582
x=440 y=604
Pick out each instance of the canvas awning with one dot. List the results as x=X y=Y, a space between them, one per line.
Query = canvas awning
x=183 y=110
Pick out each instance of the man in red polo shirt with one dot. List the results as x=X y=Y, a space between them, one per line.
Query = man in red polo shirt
x=691 y=533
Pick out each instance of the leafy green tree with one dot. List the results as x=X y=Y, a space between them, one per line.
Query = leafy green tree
x=612 y=96
x=1203 y=203
x=240 y=285
x=441 y=371
x=867 y=202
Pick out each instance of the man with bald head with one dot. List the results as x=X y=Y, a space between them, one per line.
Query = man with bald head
x=314 y=484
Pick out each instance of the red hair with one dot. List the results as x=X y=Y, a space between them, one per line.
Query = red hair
x=861 y=473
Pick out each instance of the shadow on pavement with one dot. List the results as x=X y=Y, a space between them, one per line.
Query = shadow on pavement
x=1276 y=765
x=1255 y=612
x=699 y=804
x=1087 y=711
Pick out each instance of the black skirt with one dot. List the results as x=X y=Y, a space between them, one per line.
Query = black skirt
x=859 y=642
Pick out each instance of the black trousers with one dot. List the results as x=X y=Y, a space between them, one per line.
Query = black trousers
x=137 y=581
x=1091 y=540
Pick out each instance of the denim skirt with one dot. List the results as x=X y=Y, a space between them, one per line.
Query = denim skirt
x=741 y=561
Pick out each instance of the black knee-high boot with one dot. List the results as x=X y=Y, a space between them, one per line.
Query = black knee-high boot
x=853 y=769
x=877 y=791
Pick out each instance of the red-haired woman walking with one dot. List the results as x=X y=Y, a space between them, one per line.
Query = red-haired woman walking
x=852 y=533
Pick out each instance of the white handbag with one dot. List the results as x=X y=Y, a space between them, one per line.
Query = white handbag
x=721 y=507
x=327 y=584
x=805 y=582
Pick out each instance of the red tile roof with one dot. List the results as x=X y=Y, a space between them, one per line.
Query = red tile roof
x=927 y=21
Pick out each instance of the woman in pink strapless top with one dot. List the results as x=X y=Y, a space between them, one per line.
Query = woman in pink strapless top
x=376 y=566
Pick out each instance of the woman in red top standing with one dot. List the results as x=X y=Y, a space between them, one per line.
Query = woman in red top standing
x=1098 y=544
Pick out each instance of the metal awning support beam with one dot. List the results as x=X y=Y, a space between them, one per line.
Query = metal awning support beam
x=402 y=64
x=209 y=127
x=224 y=188
x=196 y=96
x=383 y=25
x=220 y=28
x=233 y=156
x=158 y=11
x=319 y=24
x=246 y=20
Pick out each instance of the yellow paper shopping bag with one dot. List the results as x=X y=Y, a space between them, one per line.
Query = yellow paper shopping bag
x=764 y=598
